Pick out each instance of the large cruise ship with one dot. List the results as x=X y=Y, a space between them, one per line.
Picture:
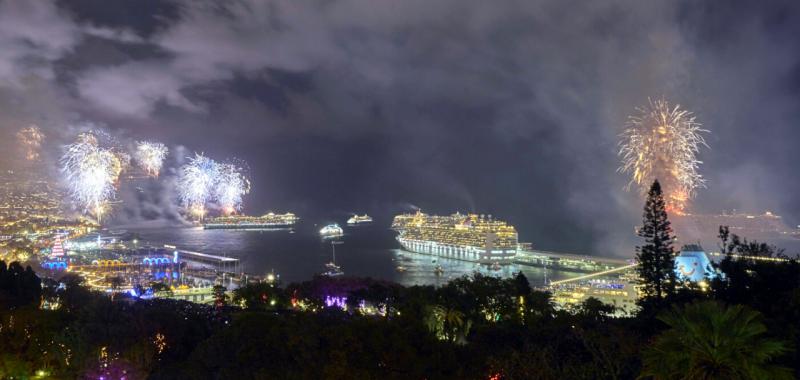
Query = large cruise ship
x=469 y=237
x=705 y=227
x=243 y=222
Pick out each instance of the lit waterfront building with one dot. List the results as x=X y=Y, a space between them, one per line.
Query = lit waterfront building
x=469 y=237
x=617 y=287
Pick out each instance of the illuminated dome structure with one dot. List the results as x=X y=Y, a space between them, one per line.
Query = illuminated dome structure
x=692 y=264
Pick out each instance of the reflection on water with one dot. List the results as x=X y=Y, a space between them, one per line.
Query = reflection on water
x=368 y=251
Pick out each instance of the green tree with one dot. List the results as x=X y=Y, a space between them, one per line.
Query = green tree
x=448 y=324
x=707 y=340
x=161 y=289
x=656 y=257
x=220 y=298
x=260 y=295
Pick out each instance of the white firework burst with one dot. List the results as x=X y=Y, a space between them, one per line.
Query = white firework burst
x=90 y=172
x=150 y=156
x=230 y=187
x=196 y=182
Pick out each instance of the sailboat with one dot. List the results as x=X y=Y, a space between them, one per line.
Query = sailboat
x=333 y=270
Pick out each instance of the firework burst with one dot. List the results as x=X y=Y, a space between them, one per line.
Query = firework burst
x=662 y=143
x=91 y=172
x=30 y=139
x=230 y=187
x=196 y=183
x=150 y=156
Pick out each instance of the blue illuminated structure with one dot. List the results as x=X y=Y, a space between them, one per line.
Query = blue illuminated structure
x=692 y=264
x=55 y=265
x=156 y=261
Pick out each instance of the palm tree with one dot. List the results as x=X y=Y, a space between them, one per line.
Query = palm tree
x=707 y=340
x=448 y=324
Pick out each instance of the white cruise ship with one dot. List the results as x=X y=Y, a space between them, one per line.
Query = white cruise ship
x=244 y=222
x=470 y=237
x=359 y=219
x=331 y=231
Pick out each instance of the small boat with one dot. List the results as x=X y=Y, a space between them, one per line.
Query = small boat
x=496 y=266
x=401 y=268
x=333 y=270
x=359 y=219
x=438 y=270
x=331 y=231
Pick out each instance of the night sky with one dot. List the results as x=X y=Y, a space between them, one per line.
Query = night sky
x=510 y=108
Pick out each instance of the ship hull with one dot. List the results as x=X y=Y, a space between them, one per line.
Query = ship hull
x=464 y=253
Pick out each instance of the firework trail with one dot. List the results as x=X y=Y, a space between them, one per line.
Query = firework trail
x=30 y=139
x=231 y=185
x=196 y=183
x=150 y=156
x=91 y=172
x=662 y=143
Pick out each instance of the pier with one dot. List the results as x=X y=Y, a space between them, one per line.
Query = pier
x=204 y=260
x=568 y=261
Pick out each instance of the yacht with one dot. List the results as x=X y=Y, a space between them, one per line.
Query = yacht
x=333 y=270
x=359 y=219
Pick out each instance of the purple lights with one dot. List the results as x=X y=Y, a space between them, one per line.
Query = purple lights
x=340 y=302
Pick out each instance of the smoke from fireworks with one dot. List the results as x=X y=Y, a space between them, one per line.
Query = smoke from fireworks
x=662 y=143
x=230 y=187
x=196 y=182
x=30 y=139
x=91 y=172
x=150 y=156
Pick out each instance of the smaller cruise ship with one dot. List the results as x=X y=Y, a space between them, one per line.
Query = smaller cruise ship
x=331 y=231
x=244 y=222
x=359 y=219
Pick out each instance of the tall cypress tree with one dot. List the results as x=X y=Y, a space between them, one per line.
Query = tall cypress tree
x=656 y=257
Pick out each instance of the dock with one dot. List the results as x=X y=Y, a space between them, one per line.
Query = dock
x=568 y=261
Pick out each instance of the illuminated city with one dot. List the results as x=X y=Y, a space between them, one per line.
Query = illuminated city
x=399 y=190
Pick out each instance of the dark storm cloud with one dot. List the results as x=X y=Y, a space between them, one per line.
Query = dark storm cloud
x=503 y=107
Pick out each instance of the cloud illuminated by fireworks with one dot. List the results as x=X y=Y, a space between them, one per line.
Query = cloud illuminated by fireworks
x=150 y=156
x=30 y=139
x=91 y=172
x=662 y=143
